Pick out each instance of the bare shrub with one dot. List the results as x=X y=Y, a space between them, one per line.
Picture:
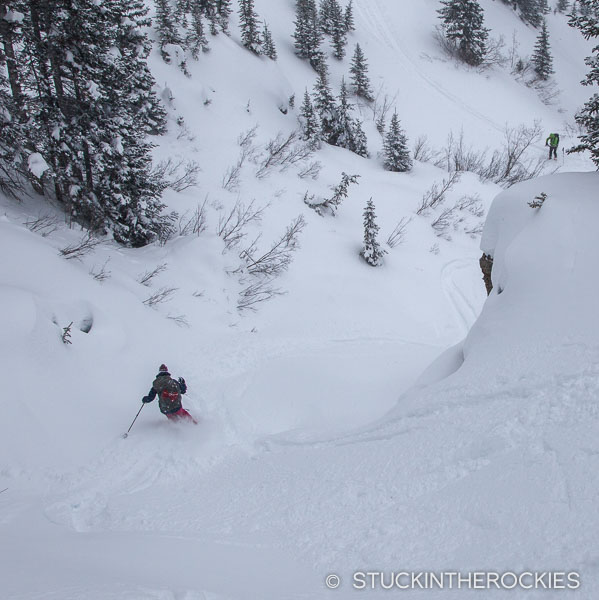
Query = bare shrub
x=422 y=150
x=282 y=152
x=146 y=278
x=180 y=320
x=331 y=205
x=495 y=56
x=79 y=249
x=196 y=223
x=435 y=195
x=471 y=203
x=278 y=258
x=66 y=334
x=43 y=224
x=255 y=293
x=443 y=222
x=232 y=226
x=398 y=235
x=456 y=156
x=102 y=274
x=164 y=294
x=178 y=175
x=381 y=106
x=312 y=170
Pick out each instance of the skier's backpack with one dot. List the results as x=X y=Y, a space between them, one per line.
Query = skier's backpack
x=169 y=394
x=554 y=140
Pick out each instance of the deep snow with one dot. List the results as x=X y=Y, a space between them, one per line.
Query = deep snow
x=347 y=424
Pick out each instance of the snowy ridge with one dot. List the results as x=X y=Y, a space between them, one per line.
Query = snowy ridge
x=325 y=443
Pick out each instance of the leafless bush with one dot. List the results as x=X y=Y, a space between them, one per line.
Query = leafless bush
x=230 y=180
x=167 y=230
x=81 y=248
x=443 y=222
x=179 y=175
x=231 y=226
x=196 y=222
x=278 y=258
x=180 y=320
x=380 y=107
x=422 y=150
x=164 y=294
x=331 y=205
x=495 y=56
x=398 y=235
x=472 y=203
x=146 y=278
x=255 y=293
x=246 y=143
x=455 y=156
x=66 y=334
x=43 y=224
x=475 y=230
x=102 y=274
x=435 y=195
x=509 y=165
x=546 y=90
x=312 y=170
x=282 y=152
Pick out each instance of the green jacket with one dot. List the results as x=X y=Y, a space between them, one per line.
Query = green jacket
x=552 y=140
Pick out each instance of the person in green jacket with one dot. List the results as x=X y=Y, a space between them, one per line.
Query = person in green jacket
x=553 y=142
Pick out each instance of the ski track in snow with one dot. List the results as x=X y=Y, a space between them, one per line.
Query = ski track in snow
x=464 y=307
x=374 y=15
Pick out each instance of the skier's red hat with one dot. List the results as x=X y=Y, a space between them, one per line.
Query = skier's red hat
x=163 y=368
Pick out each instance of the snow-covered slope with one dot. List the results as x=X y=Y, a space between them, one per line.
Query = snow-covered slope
x=314 y=453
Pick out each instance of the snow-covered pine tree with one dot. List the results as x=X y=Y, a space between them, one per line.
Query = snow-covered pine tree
x=89 y=109
x=348 y=17
x=196 y=38
x=308 y=34
x=166 y=28
x=463 y=29
x=324 y=104
x=248 y=23
x=348 y=131
x=359 y=75
x=309 y=122
x=395 y=145
x=130 y=19
x=268 y=45
x=372 y=252
x=588 y=116
x=562 y=6
x=324 y=15
x=223 y=10
x=338 y=32
x=541 y=58
x=532 y=11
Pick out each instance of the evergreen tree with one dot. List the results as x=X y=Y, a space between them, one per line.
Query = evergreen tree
x=325 y=17
x=532 y=11
x=166 y=28
x=372 y=253
x=562 y=6
x=541 y=58
x=359 y=75
x=89 y=109
x=308 y=34
x=338 y=32
x=395 y=145
x=248 y=22
x=223 y=10
x=348 y=17
x=324 y=104
x=268 y=45
x=348 y=131
x=309 y=122
x=463 y=29
x=196 y=38
x=588 y=116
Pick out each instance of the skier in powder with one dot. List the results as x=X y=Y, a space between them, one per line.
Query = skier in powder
x=169 y=393
x=553 y=142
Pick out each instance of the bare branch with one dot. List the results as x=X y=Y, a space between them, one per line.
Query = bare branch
x=147 y=277
x=79 y=249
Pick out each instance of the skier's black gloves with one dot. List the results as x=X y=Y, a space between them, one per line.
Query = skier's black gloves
x=146 y=399
x=182 y=381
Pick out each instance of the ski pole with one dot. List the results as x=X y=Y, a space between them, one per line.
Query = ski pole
x=3 y=490
x=137 y=415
